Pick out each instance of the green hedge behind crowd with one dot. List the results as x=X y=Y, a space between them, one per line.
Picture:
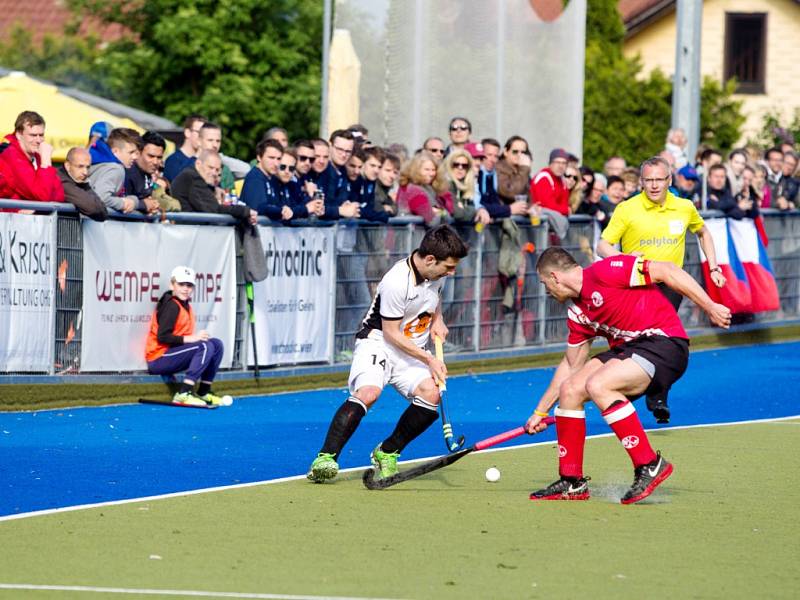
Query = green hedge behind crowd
x=15 y=397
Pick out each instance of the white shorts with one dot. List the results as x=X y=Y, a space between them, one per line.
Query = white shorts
x=376 y=364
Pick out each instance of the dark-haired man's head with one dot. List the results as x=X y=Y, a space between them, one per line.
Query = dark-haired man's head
x=304 y=151
x=151 y=157
x=268 y=154
x=342 y=144
x=439 y=251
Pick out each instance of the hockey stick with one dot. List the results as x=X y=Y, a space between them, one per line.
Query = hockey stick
x=368 y=478
x=178 y=404
x=447 y=428
x=248 y=287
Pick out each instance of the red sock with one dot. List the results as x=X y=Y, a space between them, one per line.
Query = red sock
x=571 y=430
x=624 y=421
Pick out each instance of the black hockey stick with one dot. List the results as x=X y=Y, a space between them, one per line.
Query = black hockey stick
x=368 y=478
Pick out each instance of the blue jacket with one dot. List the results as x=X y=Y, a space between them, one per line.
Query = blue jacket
x=487 y=185
x=336 y=187
x=176 y=163
x=363 y=192
x=260 y=192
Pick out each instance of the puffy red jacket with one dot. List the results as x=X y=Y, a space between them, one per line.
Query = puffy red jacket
x=20 y=181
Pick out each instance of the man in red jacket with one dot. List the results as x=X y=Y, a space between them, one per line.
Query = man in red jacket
x=26 y=171
x=550 y=193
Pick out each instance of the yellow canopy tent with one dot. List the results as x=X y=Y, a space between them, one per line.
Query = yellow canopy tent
x=67 y=119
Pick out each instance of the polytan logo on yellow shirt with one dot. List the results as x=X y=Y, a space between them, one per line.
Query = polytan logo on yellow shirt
x=676 y=227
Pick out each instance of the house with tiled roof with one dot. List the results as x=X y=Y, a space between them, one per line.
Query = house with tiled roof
x=43 y=17
x=755 y=41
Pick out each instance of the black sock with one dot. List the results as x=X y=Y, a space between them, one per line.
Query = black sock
x=186 y=387
x=203 y=388
x=413 y=422
x=343 y=425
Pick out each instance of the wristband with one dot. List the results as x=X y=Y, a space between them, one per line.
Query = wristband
x=539 y=413
x=717 y=269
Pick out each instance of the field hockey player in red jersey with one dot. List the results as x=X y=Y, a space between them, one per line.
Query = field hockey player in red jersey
x=615 y=298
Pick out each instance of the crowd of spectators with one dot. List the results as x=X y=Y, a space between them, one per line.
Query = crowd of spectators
x=347 y=177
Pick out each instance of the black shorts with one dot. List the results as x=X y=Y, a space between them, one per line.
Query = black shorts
x=663 y=358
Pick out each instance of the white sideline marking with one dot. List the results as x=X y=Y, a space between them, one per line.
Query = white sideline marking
x=151 y=592
x=50 y=511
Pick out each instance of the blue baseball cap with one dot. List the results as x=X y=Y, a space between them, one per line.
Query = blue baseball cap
x=101 y=129
x=688 y=172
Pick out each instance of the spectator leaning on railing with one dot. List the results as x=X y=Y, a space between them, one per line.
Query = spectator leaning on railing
x=260 y=191
x=195 y=189
x=74 y=176
x=26 y=170
x=107 y=173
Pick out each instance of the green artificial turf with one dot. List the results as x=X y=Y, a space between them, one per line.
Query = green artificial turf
x=16 y=397
x=723 y=526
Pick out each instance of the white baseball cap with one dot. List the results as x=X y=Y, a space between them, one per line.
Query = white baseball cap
x=182 y=275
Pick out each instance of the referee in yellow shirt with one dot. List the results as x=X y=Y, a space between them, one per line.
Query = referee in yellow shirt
x=653 y=224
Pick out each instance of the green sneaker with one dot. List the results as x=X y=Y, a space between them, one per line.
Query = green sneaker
x=214 y=400
x=188 y=398
x=323 y=468
x=385 y=462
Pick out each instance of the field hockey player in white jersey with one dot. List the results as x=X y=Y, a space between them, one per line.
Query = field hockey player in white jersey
x=391 y=349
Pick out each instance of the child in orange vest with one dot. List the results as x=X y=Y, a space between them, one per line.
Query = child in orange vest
x=172 y=346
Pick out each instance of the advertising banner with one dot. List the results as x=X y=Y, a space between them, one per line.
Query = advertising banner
x=126 y=269
x=294 y=304
x=27 y=291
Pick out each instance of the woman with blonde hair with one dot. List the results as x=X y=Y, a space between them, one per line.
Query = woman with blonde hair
x=424 y=190
x=460 y=173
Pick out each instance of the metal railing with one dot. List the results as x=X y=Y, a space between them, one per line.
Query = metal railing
x=473 y=303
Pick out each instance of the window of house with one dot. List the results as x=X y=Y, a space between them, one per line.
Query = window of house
x=746 y=51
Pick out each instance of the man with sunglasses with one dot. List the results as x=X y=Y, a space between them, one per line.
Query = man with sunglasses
x=302 y=188
x=435 y=145
x=653 y=225
x=260 y=191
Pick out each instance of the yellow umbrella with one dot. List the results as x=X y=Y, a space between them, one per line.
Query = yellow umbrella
x=67 y=120
x=344 y=75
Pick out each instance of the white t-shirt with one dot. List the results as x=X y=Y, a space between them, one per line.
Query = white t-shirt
x=405 y=296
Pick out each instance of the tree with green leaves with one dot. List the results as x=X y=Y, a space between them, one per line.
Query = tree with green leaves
x=246 y=64
x=627 y=114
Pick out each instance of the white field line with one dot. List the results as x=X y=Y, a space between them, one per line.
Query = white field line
x=50 y=511
x=185 y=593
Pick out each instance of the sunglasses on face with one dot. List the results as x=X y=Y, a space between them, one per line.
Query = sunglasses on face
x=459 y=128
x=436 y=150
x=460 y=165
x=575 y=177
x=304 y=158
x=289 y=168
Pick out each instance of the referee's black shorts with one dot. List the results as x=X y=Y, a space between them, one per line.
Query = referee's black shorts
x=663 y=358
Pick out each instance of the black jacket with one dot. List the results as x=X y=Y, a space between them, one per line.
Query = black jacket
x=195 y=195
x=82 y=196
